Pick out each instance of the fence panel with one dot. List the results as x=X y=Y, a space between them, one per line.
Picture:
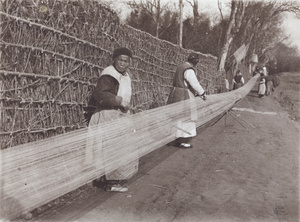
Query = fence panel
x=52 y=54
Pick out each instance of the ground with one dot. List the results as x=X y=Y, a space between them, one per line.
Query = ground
x=245 y=167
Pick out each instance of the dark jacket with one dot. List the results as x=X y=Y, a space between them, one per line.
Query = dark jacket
x=180 y=90
x=104 y=96
x=238 y=80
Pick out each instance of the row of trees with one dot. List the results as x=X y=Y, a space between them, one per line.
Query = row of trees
x=253 y=26
x=256 y=25
x=283 y=58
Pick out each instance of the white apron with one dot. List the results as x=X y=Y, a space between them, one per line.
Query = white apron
x=125 y=91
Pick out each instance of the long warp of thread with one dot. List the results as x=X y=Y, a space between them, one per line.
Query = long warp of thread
x=35 y=173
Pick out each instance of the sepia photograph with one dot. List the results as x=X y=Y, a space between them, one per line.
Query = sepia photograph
x=149 y=110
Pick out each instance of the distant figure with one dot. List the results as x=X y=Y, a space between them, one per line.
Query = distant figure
x=186 y=86
x=238 y=80
x=256 y=71
x=272 y=82
x=226 y=85
x=265 y=71
x=262 y=84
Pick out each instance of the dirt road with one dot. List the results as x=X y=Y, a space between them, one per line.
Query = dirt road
x=235 y=172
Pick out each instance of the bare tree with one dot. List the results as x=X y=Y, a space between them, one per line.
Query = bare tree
x=253 y=23
x=220 y=9
x=235 y=21
x=195 y=6
x=262 y=23
x=180 y=22
x=153 y=7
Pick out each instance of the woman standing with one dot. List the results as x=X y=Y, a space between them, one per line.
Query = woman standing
x=238 y=80
x=186 y=86
x=262 y=84
x=111 y=99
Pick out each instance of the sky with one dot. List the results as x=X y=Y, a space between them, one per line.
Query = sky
x=291 y=24
x=292 y=28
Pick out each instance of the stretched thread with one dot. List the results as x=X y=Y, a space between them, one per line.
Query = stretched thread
x=40 y=171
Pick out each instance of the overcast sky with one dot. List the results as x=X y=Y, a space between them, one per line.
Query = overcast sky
x=291 y=24
x=292 y=27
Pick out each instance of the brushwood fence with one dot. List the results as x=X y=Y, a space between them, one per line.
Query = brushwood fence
x=52 y=53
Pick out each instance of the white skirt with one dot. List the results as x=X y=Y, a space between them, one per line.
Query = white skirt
x=262 y=89
x=129 y=169
x=188 y=128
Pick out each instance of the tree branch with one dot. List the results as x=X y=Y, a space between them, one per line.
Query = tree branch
x=220 y=10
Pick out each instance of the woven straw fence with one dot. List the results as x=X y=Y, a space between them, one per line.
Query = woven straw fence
x=51 y=57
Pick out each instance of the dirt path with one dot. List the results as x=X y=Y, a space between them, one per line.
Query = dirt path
x=234 y=173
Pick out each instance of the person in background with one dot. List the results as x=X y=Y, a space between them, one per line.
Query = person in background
x=186 y=86
x=256 y=71
x=262 y=84
x=111 y=98
x=269 y=85
x=238 y=80
x=272 y=81
x=265 y=71
x=226 y=85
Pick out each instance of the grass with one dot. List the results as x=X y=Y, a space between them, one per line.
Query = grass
x=288 y=93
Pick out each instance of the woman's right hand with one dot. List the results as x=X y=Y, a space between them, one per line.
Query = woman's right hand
x=124 y=109
x=119 y=100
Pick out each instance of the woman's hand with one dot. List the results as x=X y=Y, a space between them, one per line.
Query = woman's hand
x=124 y=109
